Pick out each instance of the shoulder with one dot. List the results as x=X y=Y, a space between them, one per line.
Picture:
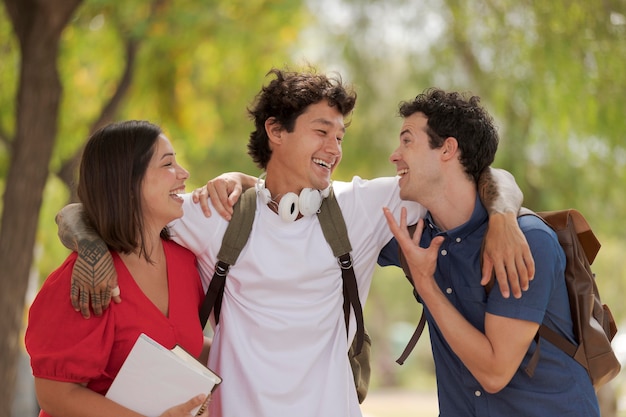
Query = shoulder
x=382 y=183
x=531 y=223
x=60 y=277
x=375 y=194
x=194 y=230
x=541 y=238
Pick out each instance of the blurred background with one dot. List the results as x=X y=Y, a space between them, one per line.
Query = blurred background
x=551 y=73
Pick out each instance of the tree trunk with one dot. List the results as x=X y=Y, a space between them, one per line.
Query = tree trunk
x=38 y=26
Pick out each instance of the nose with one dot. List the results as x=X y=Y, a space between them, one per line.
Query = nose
x=182 y=173
x=394 y=157
x=333 y=146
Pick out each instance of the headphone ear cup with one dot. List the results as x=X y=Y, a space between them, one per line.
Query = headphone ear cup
x=288 y=208
x=310 y=201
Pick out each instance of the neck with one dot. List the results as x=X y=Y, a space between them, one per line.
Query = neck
x=279 y=185
x=152 y=245
x=454 y=206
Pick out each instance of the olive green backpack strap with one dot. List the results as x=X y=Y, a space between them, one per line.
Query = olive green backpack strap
x=235 y=238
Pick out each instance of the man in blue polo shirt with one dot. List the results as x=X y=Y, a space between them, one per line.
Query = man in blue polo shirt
x=481 y=341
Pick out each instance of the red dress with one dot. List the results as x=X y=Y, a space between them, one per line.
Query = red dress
x=63 y=346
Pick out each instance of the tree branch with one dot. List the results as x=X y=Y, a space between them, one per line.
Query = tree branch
x=67 y=171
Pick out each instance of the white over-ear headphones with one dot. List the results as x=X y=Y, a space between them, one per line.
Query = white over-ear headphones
x=307 y=203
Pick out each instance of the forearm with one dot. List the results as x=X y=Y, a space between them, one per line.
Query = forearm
x=469 y=344
x=247 y=181
x=472 y=347
x=499 y=192
x=72 y=228
x=73 y=400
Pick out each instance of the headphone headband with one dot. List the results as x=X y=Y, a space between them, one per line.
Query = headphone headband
x=291 y=205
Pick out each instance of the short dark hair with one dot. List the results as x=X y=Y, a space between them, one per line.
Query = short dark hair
x=112 y=169
x=286 y=97
x=453 y=114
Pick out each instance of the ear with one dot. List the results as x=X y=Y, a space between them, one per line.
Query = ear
x=450 y=148
x=274 y=130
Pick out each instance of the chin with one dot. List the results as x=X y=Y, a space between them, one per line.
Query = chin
x=405 y=195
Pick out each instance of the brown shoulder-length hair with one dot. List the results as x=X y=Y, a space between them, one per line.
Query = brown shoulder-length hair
x=112 y=168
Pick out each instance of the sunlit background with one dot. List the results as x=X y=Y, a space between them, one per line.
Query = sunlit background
x=552 y=74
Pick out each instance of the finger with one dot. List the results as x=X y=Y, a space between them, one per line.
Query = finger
x=219 y=199
x=194 y=195
x=234 y=196
x=529 y=261
x=84 y=304
x=203 y=199
x=487 y=270
x=436 y=243
x=522 y=272
x=511 y=276
x=223 y=190
x=400 y=231
x=96 y=303
x=196 y=401
x=419 y=229
x=391 y=222
x=204 y=407
x=403 y=218
x=228 y=193
x=74 y=296
x=185 y=408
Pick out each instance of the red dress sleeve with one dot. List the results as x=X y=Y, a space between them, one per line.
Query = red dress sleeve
x=62 y=345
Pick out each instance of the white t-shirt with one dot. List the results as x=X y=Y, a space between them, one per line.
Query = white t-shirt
x=281 y=345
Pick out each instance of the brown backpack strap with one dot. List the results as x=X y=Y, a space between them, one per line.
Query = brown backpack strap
x=534 y=360
x=411 y=345
x=422 y=323
x=336 y=234
x=214 y=295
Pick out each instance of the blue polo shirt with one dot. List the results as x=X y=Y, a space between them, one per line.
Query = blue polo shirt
x=560 y=386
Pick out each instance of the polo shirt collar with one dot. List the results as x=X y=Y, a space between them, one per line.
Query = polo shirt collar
x=478 y=218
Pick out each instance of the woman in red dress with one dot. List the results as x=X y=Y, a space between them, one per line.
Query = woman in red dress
x=129 y=187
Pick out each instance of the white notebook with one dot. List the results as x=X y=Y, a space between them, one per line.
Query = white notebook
x=154 y=378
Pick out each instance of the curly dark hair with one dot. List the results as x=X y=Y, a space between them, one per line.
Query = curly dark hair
x=286 y=97
x=452 y=114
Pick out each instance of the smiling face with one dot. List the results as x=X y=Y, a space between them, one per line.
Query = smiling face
x=416 y=162
x=307 y=156
x=162 y=183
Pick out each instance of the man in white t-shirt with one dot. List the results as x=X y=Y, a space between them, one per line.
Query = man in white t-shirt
x=281 y=343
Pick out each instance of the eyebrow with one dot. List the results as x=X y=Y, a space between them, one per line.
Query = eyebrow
x=327 y=123
x=165 y=155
